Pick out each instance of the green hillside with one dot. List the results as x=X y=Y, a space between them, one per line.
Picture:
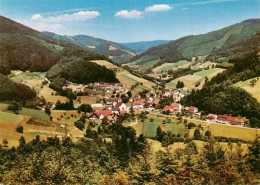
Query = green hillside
x=235 y=39
x=10 y=90
x=108 y=48
x=140 y=47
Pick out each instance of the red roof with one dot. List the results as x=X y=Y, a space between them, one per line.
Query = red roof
x=232 y=119
x=136 y=95
x=168 y=108
x=139 y=99
x=175 y=105
x=105 y=112
x=192 y=108
x=137 y=103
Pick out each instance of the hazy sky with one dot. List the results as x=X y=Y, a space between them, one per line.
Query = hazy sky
x=130 y=20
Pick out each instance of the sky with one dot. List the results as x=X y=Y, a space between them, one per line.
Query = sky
x=130 y=20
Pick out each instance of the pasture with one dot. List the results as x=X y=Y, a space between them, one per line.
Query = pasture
x=126 y=78
x=191 y=80
x=255 y=90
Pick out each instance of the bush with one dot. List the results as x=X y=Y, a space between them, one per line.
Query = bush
x=19 y=129
x=190 y=125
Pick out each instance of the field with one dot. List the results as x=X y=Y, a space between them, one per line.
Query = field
x=126 y=78
x=34 y=80
x=255 y=91
x=35 y=113
x=191 y=80
x=36 y=122
x=148 y=127
x=228 y=131
x=177 y=65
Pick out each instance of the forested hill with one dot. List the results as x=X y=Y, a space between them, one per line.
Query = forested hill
x=23 y=48
x=142 y=46
x=217 y=44
x=219 y=96
x=108 y=48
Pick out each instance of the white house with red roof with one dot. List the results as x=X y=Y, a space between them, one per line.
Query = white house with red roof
x=137 y=105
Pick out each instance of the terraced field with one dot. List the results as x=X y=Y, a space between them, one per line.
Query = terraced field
x=191 y=80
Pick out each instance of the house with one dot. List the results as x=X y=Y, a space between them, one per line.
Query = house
x=168 y=108
x=222 y=118
x=156 y=102
x=120 y=106
x=177 y=106
x=100 y=114
x=212 y=117
x=110 y=102
x=136 y=96
x=231 y=120
x=93 y=115
x=147 y=104
x=193 y=110
x=138 y=105
x=104 y=113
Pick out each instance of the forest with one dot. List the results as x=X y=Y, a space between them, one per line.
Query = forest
x=219 y=96
x=126 y=159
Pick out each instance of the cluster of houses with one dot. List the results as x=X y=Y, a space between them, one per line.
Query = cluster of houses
x=175 y=108
x=225 y=119
x=99 y=87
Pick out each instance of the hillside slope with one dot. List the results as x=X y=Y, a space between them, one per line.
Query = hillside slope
x=140 y=47
x=210 y=43
x=108 y=48
x=23 y=48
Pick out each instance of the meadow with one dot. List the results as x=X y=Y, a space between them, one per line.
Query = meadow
x=255 y=91
x=191 y=80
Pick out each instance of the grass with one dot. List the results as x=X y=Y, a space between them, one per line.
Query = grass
x=3 y=106
x=255 y=91
x=247 y=134
x=149 y=128
x=191 y=80
x=9 y=117
x=35 y=113
x=176 y=65
x=126 y=78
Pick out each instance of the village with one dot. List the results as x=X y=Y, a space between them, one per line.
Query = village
x=119 y=101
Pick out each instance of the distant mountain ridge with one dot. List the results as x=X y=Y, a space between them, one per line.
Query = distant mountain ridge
x=22 y=48
x=208 y=44
x=104 y=47
x=142 y=46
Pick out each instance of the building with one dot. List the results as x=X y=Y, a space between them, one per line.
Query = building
x=137 y=105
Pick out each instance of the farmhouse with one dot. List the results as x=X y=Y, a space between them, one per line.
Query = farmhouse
x=137 y=105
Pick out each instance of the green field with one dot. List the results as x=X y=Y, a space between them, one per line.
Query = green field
x=177 y=64
x=3 y=106
x=35 y=113
x=9 y=117
x=149 y=128
x=191 y=80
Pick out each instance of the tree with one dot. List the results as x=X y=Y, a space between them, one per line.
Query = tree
x=253 y=82
x=48 y=110
x=14 y=107
x=19 y=129
x=5 y=142
x=207 y=134
x=85 y=108
x=254 y=156
x=79 y=124
x=197 y=135
x=129 y=93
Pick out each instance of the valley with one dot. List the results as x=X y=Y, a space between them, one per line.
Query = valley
x=83 y=110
